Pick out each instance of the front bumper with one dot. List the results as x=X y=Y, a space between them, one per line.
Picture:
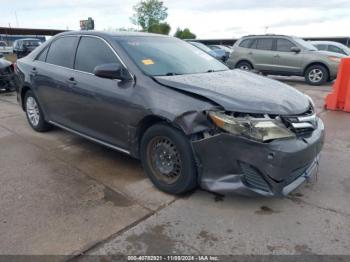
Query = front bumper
x=233 y=164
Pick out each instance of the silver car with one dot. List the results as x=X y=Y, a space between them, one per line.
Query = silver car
x=330 y=46
x=285 y=55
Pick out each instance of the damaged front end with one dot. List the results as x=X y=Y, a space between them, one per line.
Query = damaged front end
x=258 y=154
x=7 y=75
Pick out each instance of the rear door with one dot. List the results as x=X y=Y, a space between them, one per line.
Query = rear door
x=49 y=78
x=284 y=60
x=261 y=54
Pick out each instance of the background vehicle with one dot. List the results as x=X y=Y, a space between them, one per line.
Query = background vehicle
x=188 y=117
x=285 y=55
x=4 y=48
x=6 y=75
x=217 y=53
x=330 y=46
x=227 y=50
x=23 y=47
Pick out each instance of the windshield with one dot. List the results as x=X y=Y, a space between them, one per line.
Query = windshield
x=160 y=56
x=306 y=45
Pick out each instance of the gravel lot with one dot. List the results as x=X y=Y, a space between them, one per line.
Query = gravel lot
x=61 y=194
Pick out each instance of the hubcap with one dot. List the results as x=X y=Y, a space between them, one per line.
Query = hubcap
x=244 y=67
x=315 y=75
x=164 y=159
x=32 y=110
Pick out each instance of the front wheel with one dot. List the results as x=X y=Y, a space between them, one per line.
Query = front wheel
x=34 y=113
x=167 y=158
x=316 y=75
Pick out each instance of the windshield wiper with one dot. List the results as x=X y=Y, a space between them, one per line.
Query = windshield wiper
x=172 y=74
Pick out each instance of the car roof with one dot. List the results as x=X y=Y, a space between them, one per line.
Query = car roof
x=326 y=43
x=110 y=34
x=28 y=39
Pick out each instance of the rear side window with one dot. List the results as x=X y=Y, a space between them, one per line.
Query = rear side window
x=335 y=49
x=42 y=56
x=321 y=47
x=265 y=44
x=284 y=45
x=61 y=52
x=246 y=43
x=92 y=52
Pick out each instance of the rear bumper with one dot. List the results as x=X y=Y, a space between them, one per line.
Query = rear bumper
x=232 y=164
x=7 y=81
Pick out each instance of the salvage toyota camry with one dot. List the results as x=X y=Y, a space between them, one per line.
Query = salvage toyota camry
x=191 y=120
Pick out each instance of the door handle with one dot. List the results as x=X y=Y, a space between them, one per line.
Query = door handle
x=250 y=53
x=277 y=56
x=71 y=81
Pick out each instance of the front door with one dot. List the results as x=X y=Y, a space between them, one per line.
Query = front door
x=284 y=59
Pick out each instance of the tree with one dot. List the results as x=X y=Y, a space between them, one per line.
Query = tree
x=161 y=28
x=149 y=13
x=184 y=34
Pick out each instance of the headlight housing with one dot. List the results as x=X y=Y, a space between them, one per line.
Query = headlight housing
x=260 y=129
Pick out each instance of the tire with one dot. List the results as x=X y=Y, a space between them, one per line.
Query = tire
x=34 y=113
x=245 y=66
x=316 y=75
x=168 y=160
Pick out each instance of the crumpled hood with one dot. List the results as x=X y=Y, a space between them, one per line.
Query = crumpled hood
x=239 y=91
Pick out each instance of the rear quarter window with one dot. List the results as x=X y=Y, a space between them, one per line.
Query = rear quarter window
x=246 y=43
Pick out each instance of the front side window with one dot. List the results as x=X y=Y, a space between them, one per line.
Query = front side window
x=61 y=51
x=284 y=45
x=265 y=44
x=92 y=52
x=159 y=56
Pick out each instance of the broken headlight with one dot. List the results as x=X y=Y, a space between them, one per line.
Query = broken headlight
x=261 y=129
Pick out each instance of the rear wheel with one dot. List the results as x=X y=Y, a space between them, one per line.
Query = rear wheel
x=244 y=65
x=34 y=113
x=316 y=75
x=168 y=160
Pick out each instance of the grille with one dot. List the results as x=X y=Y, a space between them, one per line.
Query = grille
x=254 y=179
x=302 y=124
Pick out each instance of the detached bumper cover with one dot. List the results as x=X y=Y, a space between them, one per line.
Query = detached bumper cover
x=232 y=164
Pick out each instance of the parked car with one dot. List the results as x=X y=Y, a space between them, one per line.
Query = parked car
x=218 y=54
x=4 y=48
x=23 y=47
x=227 y=50
x=285 y=55
x=6 y=75
x=190 y=119
x=330 y=46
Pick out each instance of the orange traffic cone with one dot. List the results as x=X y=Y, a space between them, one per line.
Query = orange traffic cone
x=339 y=99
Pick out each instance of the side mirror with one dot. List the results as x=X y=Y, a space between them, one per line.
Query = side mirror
x=1 y=55
x=112 y=71
x=295 y=49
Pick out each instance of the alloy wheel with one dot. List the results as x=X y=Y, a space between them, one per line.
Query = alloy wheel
x=32 y=110
x=315 y=75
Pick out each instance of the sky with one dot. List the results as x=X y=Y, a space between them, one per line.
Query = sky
x=206 y=18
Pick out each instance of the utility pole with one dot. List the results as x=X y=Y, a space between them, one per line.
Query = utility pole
x=17 y=24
